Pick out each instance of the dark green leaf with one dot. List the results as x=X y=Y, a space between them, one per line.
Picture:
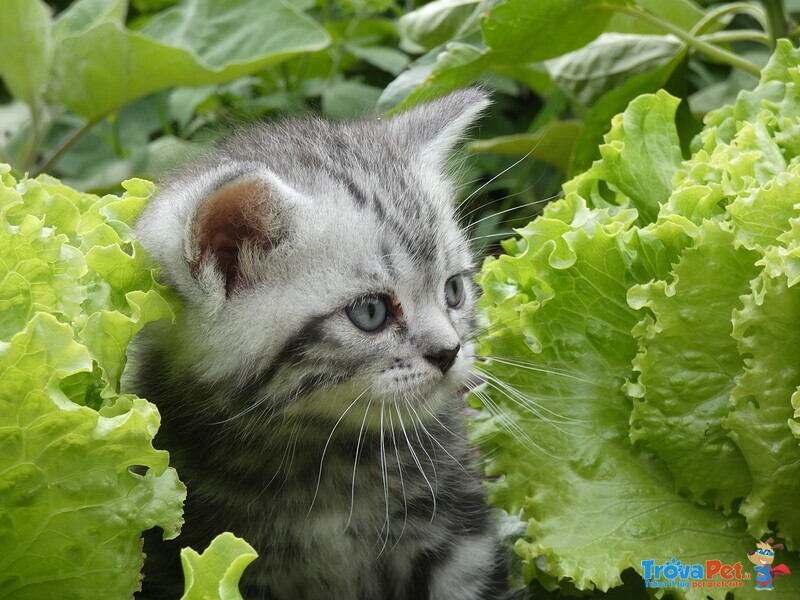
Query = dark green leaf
x=167 y=153
x=532 y=30
x=15 y=130
x=184 y=101
x=222 y=33
x=439 y=22
x=552 y=144
x=107 y=66
x=607 y=62
x=722 y=92
x=435 y=74
x=349 y=99
x=388 y=59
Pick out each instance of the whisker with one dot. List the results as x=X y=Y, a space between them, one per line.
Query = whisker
x=384 y=476
x=416 y=432
x=519 y=435
x=247 y=410
x=402 y=484
x=484 y=205
x=417 y=462
x=519 y=364
x=500 y=174
x=535 y=408
x=419 y=422
x=325 y=449
x=512 y=209
x=355 y=465
x=283 y=459
x=527 y=361
x=437 y=441
x=494 y=235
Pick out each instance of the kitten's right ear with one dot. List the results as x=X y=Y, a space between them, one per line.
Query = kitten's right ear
x=225 y=227
x=433 y=129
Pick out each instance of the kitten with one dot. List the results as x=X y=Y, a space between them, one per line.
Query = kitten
x=311 y=391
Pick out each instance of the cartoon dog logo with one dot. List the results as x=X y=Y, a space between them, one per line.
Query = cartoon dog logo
x=762 y=557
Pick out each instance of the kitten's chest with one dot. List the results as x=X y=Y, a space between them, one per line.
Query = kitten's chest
x=375 y=500
x=351 y=530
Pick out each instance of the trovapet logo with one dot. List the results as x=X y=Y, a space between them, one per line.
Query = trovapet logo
x=715 y=574
x=762 y=558
x=711 y=573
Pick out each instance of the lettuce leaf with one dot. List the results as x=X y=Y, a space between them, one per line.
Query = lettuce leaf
x=687 y=362
x=644 y=403
x=80 y=479
x=215 y=573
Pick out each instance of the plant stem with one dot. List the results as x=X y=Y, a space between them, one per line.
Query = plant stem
x=714 y=16
x=35 y=140
x=65 y=146
x=687 y=38
x=776 y=19
x=737 y=35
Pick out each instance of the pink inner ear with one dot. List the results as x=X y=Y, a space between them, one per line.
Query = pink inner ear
x=226 y=221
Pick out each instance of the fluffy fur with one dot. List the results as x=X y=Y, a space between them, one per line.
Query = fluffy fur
x=337 y=453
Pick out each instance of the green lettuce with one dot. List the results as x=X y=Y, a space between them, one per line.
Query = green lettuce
x=644 y=404
x=80 y=479
x=215 y=573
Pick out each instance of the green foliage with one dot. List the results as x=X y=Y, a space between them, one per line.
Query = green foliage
x=195 y=43
x=659 y=293
x=79 y=477
x=215 y=573
x=660 y=412
x=107 y=90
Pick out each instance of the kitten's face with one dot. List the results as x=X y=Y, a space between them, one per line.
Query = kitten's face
x=391 y=298
x=321 y=264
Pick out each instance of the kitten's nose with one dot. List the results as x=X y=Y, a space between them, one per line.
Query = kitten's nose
x=444 y=358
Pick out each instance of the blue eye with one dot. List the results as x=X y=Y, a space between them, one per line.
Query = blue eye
x=368 y=314
x=454 y=290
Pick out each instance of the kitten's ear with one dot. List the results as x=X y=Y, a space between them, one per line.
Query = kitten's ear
x=433 y=129
x=212 y=231
x=234 y=229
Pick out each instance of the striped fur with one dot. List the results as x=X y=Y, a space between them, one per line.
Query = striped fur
x=338 y=454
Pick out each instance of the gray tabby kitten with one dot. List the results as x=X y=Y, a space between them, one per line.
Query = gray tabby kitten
x=311 y=391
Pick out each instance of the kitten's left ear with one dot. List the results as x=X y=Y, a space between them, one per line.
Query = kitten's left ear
x=212 y=228
x=433 y=129
x=235 y=227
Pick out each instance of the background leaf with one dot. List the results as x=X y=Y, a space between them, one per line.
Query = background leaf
x=440 y=71
x=211 y=46
x=607 y=62
x=552 y=144
x=438 y=22
x=531 y=30
x=25 y=47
